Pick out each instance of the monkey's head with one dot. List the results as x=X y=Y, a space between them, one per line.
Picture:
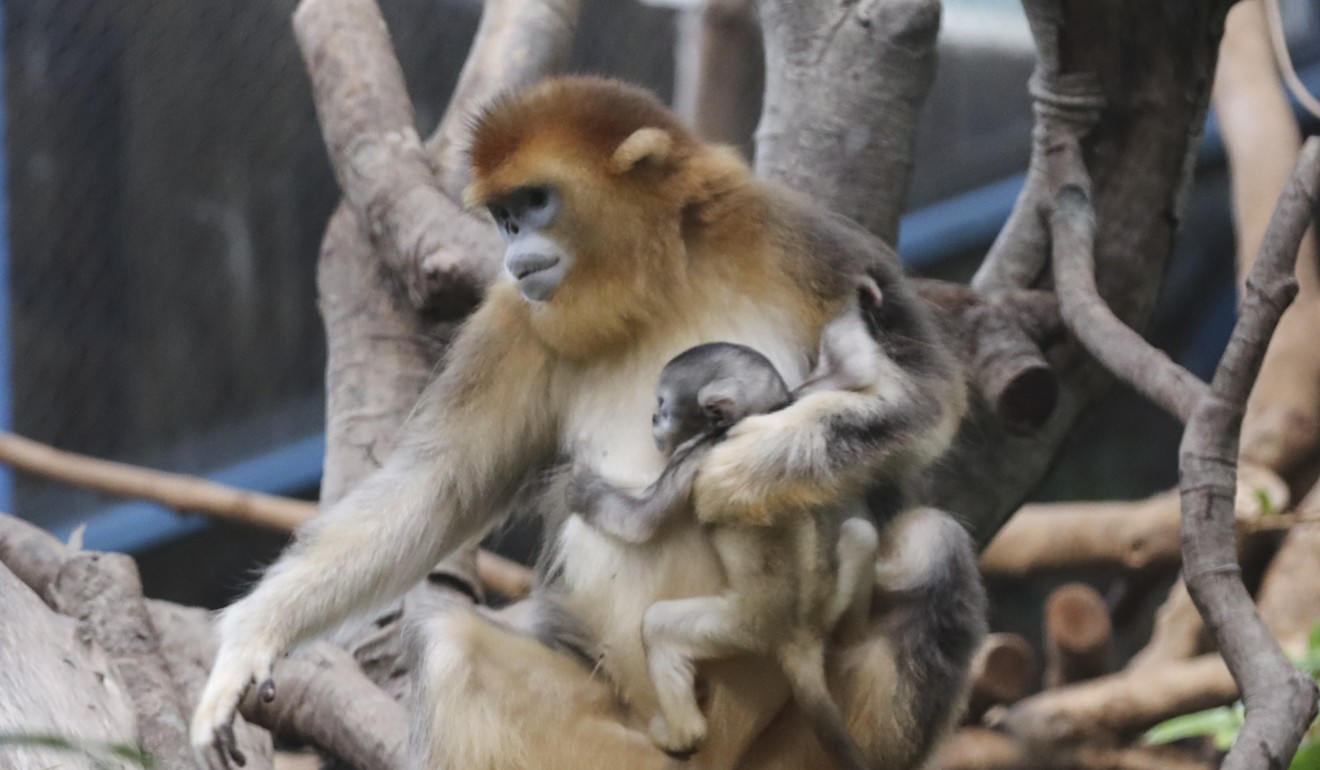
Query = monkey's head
x=588 y=180
x=704 y=390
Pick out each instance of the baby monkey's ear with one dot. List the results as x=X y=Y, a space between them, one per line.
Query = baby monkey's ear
x=644 y=144
x=868 y=292
x=718 y=399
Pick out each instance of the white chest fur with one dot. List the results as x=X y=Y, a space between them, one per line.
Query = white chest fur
x=607 y=423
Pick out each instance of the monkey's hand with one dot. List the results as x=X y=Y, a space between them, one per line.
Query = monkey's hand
x=635 y=517
x=778 y=465
x=585 y=490
x=237 y=667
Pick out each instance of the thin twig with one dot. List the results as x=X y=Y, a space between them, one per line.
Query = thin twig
x=185 y=493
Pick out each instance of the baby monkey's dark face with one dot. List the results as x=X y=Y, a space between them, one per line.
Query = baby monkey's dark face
x=706 y=389
x=678 y=417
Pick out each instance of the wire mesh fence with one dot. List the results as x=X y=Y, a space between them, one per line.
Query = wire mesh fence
x=168 y=189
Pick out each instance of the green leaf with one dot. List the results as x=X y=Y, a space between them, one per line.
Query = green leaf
x=1266 y=504
x=1307 y=758
x=1313 y=641
x=96 y=751
x=1218 y=722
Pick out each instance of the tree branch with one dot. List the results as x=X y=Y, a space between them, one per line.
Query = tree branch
x=1120 y=705
x=1122 y=536
x=369 y=128
x=1078 y=635
x=842 y=101
x=1280 y=701
x=1120 y=349
x=719 y=71
x=191 y=494
x=1138 y=74
x=517 y=43
x=1281 y=429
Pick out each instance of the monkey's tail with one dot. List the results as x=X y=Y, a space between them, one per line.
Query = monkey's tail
x=804 y=666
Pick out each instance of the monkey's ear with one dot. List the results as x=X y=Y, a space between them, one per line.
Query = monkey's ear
x=719 y=400
x=652 y=144
x=868 y=292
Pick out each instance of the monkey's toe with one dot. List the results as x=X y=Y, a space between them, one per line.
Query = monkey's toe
x=678 y=743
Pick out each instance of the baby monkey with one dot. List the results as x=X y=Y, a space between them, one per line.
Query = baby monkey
x=790 y=581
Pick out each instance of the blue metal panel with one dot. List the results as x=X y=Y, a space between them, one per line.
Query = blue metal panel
x=972 y=219
x=6 y=345
x=941 y=230
x=291 y=469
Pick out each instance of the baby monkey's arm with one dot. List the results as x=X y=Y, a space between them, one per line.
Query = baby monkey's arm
x=635 y=517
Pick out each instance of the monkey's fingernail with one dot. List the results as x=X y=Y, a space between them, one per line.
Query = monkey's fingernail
x=267 y=690
x=229 y=744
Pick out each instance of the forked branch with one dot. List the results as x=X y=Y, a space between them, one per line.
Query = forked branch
x=1280 y=700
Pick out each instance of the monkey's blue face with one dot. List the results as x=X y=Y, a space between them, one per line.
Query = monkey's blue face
x=534 y=259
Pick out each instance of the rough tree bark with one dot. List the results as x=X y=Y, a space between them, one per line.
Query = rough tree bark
x=381 y=348
x=845 y=82
x=82 y=694
x=1139 y=73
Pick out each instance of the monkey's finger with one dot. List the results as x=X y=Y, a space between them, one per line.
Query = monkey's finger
x=267 y=690
x=229 y=744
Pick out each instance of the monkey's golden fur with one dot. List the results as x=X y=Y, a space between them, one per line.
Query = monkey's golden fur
x=673 y=244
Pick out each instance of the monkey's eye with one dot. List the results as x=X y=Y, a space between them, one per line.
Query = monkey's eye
x=538 y=198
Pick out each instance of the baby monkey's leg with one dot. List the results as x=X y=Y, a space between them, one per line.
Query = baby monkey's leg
x=850 y=606
x=676 y=634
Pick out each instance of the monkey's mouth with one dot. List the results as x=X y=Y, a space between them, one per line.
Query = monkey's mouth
x=533 y=265
x=538 y=276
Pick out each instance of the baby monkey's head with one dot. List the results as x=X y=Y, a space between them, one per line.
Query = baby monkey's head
x=706 y=389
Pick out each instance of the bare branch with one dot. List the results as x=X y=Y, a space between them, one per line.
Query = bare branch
x=842 y=101
x=191 y=494
x=1003 y=672
x=1280 y=701
x=104 y=591
x=517 y=43
x=1120 y=705
x=1000 y=337
x=55 y=680
x=1281 y=429
x=1078 y=635
x=174 y=490
x=1122 y=536
x=719 y=71
x=1113 y=343
x=323 y=698
x=1289 y=596
x=1179 y=631
x=1066 y=107
x=369 y=127
x=1138 y=74
x=976 y=748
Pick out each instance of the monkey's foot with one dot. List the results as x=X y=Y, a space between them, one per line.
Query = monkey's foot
x=679 y=740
